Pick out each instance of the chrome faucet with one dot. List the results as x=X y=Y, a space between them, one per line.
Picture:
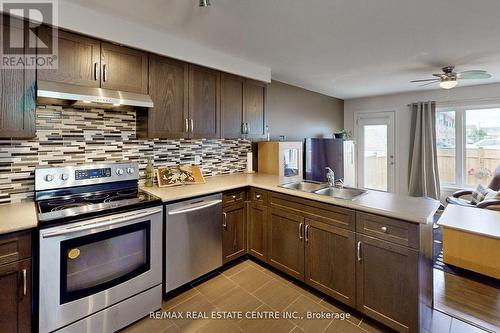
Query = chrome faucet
x=330 y=176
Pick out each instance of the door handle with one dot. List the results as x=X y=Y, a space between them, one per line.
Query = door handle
x=186 y=125
x=104 y=73
x=25 y=284
x=192 y=208
x=358 y=252
x=95 y=71
x=192 y=125
x=224 y=221
x=248 y=128
x=300 y=230
x=307 y=233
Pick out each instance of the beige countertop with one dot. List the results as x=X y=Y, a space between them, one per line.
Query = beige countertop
x=418 y=210
x=484 y=222
x=17 y=216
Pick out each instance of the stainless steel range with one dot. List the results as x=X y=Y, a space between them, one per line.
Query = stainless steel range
x=100 y=248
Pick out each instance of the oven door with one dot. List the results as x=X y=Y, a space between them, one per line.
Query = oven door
x=90 y=265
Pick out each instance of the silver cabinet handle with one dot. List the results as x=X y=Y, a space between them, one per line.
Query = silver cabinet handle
x=243 y=128
x=384 y=229
x=104 y=73
x=186 y=125
x=25 y=284
x=95 y=71
x=248 y=128
x=307 y=233
x=194 y=207
x=233 y=196
x=358 y=252
x=192 y=125
x=224 y=221
x=258 y=196
x=300 y=230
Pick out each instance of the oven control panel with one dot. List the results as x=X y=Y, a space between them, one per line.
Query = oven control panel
x=47 y=178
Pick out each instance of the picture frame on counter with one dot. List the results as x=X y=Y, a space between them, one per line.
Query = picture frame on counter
x=179 y=175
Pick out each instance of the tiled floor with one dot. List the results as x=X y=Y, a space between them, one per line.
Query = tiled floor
x=248 y=286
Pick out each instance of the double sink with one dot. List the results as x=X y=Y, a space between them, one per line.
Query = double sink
x=346 y=193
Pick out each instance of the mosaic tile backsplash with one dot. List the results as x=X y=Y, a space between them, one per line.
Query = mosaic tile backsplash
x=73 y=136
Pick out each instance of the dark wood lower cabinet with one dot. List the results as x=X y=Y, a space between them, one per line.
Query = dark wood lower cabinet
x=233 y=232
x=257 y=230
x=330 y=260
x=286 y=242
x=15 y=296
x=387 y=283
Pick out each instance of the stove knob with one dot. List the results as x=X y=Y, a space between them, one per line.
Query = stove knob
x=49 y=178
x=119 y=172
x=64 y=176
x=130 y=171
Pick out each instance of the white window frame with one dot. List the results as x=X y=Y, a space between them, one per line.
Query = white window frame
x=461 y=139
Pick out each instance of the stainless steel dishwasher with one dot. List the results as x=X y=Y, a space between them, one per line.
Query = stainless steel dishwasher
x=193 y=239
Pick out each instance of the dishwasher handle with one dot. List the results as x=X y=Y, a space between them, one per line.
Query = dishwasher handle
x=194 y=207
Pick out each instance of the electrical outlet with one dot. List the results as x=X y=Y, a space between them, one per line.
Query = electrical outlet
x=197 y=160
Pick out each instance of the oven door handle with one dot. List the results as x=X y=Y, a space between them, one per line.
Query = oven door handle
x=194 y=207
x=97 y=223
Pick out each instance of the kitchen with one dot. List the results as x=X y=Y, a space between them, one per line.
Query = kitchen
x=92 y=240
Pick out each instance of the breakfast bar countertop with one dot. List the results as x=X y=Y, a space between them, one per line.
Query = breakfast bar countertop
x=17 y=217
x=417 y=210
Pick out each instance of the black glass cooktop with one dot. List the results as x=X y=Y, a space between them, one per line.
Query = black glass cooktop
x=94 y=203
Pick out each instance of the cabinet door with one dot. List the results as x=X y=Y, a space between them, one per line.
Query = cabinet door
x=330 y=260
x=204 y=102
x=286 y=242
x=79 y=59
x=254 y=108
x=17 y=91
x=232 y=105
x=233 y=232
x=124 y=69
x=257 y=230
x=15 y=296
x=387 y=283
x=168 y=80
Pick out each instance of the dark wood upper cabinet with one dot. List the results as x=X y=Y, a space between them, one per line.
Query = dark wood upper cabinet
x=168 y=87
x=387 y=283
x=232 y=105
x=79 y=59
x=255 y=93
x=233 y=232
x=17 y=91
x=286 y=242
x=330 y=261
x=204 y=102
x=257 y=230
x=124 y=69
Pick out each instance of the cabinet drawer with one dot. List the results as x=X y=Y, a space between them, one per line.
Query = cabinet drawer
x=395 y=231
x=257 y=195
x=15 y=246
x=233 y=197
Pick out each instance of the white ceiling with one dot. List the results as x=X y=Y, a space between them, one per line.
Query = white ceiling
x=342 y=48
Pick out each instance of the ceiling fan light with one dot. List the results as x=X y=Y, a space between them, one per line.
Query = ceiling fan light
x=205 y=3
x=448 y=84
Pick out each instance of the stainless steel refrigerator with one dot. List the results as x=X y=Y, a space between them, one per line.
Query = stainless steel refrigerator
x=338 y=154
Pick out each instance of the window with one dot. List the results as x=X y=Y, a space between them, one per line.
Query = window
x=468 y=145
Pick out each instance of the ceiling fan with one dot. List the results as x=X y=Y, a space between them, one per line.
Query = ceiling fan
x=449 y=79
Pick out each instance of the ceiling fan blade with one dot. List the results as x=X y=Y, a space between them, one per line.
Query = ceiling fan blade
x=429 y=83
x=438 y=75
x=425 y=80
x=474 y=74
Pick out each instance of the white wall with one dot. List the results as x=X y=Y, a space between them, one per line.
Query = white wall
x=398 y=103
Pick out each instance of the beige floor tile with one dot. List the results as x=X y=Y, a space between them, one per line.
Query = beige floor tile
x=230 y=271
x=237 y=300
x=251 y=279
x=354 y=317
x=280 y=277
x=316 y=297
x=302 y=305
x=255 y=264
x=171 y=302
x=218 y=326
x=277 y=295
x=148 y=325
x=266 y=325
x=343 y=326
x=198 y=304
x=216 y=287
x=297 y=330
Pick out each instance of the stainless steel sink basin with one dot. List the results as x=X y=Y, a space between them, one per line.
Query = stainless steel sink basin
x=304 y=186
x=347 y=193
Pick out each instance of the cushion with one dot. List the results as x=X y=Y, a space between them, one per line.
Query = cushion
x=479 y=194
x=495 y=182
x=492 y=195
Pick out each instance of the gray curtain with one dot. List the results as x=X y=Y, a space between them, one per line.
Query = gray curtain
x=423 y=171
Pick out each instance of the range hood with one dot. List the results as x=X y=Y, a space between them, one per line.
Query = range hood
x=55 y=93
